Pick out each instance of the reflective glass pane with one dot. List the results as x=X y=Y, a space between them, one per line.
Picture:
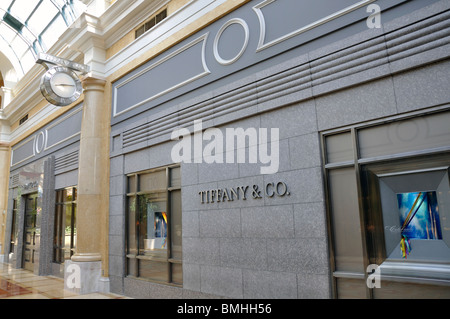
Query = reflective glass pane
x=4 y=4
x=351 y=288
x=74 y=230
x=58 y=236
x=154 y=270
x=175 y=177
x=67 y=231
x=44 y=13
x=68 y=194
x=139 y=32
x=152 y=181
x=50 y=36
x=7 y=33
x=20 y=45
x=419 y=133
x=132 y=225
x=28 y=35
x=132 y=184
x=22 y=12
x=339 y=148
x=345 y=220
x=59 y=3
x=28 y=60
x=175 y=221
x=153 y=225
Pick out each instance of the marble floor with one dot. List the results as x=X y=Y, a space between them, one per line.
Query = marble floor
x=23 y=284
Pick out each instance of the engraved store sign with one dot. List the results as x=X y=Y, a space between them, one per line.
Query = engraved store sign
x=230 y=194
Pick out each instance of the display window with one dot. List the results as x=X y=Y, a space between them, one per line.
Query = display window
x=413 y=207
x=65 y=231
x=154 y=225
x=388 y=203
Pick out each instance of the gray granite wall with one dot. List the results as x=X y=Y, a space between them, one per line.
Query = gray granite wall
x=269 y=247
x=276 y=247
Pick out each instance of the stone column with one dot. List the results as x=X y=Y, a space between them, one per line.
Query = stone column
x=90 y=258
x=4 y=181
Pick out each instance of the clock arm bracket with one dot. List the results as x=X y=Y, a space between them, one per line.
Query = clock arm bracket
x=48 y=61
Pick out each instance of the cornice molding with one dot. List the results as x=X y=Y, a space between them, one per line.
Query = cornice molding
x=123 y=16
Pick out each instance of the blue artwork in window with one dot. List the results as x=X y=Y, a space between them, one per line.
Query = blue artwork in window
x=160 y=224
x=419 y=215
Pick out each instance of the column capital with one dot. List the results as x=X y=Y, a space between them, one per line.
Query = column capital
x=91 y=83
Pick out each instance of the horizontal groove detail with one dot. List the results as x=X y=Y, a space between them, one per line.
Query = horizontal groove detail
x=67 y=160
x=408 y=41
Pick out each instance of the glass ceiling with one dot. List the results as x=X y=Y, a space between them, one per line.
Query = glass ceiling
x=28 y=27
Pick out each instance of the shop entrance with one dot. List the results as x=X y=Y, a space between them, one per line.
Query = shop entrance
x=30 y=231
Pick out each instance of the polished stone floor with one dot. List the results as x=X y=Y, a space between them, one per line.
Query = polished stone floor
x=23 y=284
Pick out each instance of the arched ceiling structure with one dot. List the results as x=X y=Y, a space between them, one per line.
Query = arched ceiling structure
x=28 y=27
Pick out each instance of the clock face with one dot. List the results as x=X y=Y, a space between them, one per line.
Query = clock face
x=60 y=86
x=63 y=84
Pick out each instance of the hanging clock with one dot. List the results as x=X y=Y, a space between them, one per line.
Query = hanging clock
x=61 y=86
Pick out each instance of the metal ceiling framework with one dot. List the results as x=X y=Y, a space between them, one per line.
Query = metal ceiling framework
x=29 y=27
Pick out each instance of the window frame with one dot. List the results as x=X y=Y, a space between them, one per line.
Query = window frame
x=73 y=204
x=373 y=249
x=14 y=226
x=150 y=23
x=371 y=175
x=135 y=193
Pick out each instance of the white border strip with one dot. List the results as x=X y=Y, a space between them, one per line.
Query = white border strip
x=20 y=145
x=206 y=71
x=262 y=23
x=44 y=133
x=217 y=56
x=58 y=122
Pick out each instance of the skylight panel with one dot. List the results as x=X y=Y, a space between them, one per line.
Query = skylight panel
x=28 y=27
x=28 y=60
x=4 y=4
x=19 y=45
x=54 y=30
x=7 y=33
x=44 y=13
x=21 y=11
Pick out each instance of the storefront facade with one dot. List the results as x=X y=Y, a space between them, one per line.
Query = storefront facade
x=308 y=229
x=217 y=152
x=40 y=227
